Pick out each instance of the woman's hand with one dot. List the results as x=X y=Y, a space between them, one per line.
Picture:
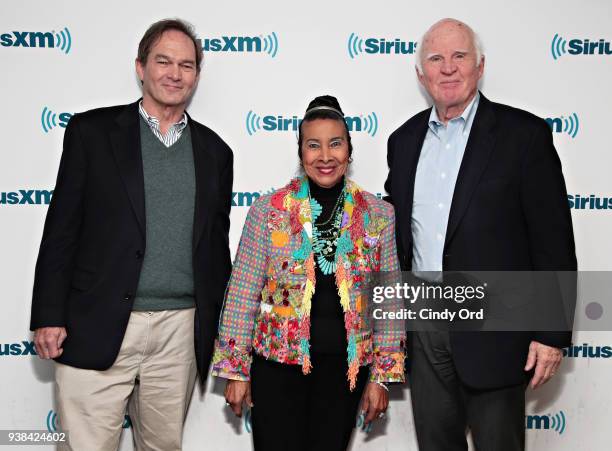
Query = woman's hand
x=374 y=402
x=235 y=393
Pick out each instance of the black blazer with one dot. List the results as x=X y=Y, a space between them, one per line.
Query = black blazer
x=509 y=212
x=94 y=238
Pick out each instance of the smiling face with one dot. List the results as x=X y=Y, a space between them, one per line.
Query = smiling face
x=450 y=70
x=325 y=151
x=169 y=74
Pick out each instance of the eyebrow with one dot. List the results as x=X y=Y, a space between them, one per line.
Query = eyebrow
x=331 y=139
x=161 y=55
x=429 y=55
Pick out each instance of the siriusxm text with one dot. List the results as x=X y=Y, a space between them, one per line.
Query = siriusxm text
x=233 y=44
x=63 y=119
x=281 y=123
x=587 y=351
x=396 y=46
x=26 y=197
x=588 y=47
x=27 y=39
x=244 y=198
x=17 y=349
x=592 y=202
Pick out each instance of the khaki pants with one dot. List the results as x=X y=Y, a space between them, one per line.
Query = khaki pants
x=154 y=374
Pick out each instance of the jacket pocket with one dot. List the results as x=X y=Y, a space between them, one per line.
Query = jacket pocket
x=82 y=279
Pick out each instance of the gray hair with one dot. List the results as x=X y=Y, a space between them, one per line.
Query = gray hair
x=476 y=42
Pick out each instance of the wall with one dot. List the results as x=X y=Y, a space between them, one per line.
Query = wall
x=307 y=49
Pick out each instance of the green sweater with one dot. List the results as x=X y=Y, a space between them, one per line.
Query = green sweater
x=166 y=279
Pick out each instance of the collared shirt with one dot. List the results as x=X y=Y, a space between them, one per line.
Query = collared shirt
x=434 y=185
x=174 y=132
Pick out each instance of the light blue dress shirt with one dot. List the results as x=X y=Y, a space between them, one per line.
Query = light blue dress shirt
x=434 y=185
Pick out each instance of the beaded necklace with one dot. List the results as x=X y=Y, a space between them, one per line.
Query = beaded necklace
x=325 y=234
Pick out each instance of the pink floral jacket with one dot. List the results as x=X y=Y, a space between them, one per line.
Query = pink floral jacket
x=267 y=303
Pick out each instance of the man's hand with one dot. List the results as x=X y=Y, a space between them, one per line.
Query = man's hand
x=237 y=392
x=48 y=341
x=546 y=360
x=374 y=402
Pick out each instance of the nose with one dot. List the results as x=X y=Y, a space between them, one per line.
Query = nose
x=325 y=154
x=448 y=66
x=174 y=72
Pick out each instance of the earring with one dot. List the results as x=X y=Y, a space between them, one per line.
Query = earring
x=350 y=160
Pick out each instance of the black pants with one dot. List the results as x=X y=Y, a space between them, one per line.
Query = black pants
x=444 y=408
x=297 y=412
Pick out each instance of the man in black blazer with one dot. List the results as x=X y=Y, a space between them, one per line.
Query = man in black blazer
x=135 y=257
x=477 y=186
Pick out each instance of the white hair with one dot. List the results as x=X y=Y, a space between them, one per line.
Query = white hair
x=476 y=42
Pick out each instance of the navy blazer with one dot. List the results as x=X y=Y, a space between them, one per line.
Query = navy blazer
x=94 y=238
x=509 y=213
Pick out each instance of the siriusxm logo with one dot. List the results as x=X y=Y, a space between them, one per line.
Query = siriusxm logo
x=562 y=124
x=272 y=123
x=588 y=352
x=127 y=422
x=17 y=349
x=592 y=202
x=246 y=198
x=53 y=424
x=248 y=423
x=50 y=120
x=559 y=47
x=259 y=44
x=379 y=46
x=554 y=422
x=26 y=197
x=49 y=39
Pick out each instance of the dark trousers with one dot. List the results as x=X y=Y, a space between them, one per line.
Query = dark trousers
x=297 y=412
x=444 y=408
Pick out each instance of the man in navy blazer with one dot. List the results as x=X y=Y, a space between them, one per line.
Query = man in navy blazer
x=135 y=257
x=477 y=186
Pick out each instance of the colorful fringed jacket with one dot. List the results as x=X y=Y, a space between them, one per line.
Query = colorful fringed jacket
x=267 y=303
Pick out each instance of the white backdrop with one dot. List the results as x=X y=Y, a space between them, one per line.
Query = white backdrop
x=307 y=49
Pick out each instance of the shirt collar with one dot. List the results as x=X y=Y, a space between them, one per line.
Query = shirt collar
x=467 y=116
x=153 y=121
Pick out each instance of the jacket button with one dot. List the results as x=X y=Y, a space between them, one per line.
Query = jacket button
x=128 y=297
x=139 y=254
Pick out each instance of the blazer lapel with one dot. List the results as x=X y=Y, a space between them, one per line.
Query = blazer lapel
x=205 y=182
x=407 y=162
x=125 y=141
x=477 y=152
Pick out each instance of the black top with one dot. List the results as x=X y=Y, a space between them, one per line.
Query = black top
x=327 y=332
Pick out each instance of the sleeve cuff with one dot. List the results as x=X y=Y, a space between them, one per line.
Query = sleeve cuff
x=231 y=361
x=387 y=367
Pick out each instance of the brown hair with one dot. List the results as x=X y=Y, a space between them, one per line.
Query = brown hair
x=155 y=32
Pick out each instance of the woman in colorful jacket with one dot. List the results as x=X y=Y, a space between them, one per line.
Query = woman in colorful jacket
x=294 y=340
